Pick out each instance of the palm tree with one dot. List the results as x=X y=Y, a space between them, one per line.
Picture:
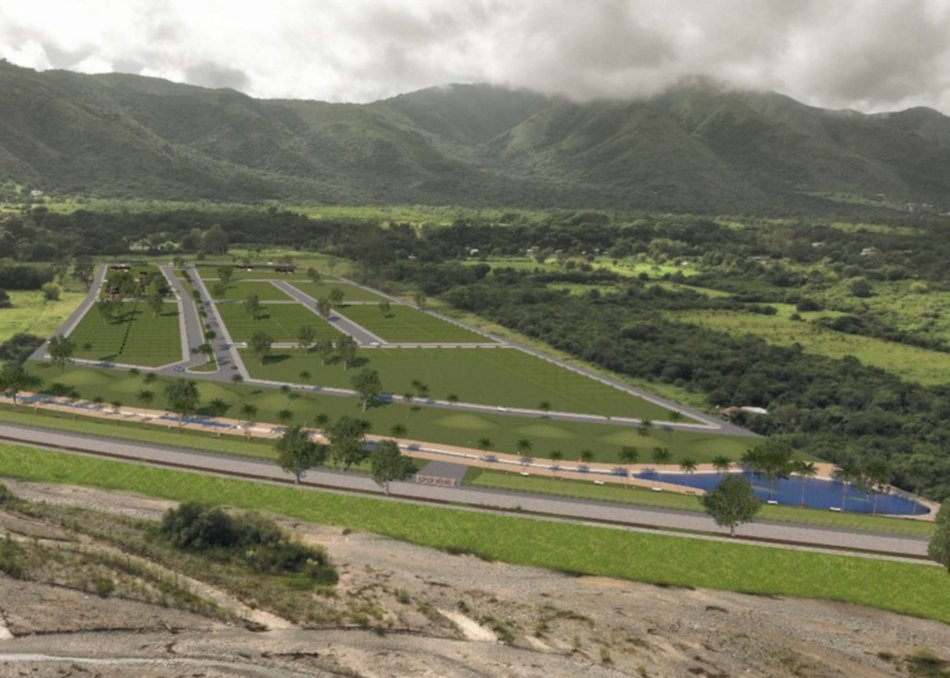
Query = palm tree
x=722 y=463
x=629 y=456
x=877 y=476
x=688 y=466
x=452 y=398
x=249 y=413
x=556 y=456
x=145 y=397
x=525 y=460
x=676 y=416
x=484 y=444
x=661 y=456
x=398 y=431
x=545 y=407
x=586 y=456
x=804 y=470
x=285 y=416
x=321 y=420
x=846 y=473
x=304 y=375
x=524 y=446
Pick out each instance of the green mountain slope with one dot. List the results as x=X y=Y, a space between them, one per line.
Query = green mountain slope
x=698 y=146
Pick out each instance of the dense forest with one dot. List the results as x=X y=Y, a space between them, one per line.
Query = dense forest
x=578 y=300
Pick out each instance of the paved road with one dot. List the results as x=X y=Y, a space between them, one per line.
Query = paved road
x=483 y=498
x=225 y=352
x=362 y=335
x=76 y=316
x=192 y=335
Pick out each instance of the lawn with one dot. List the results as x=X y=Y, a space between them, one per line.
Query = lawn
x=907 y=362
x=350 y=292
x=31 y=313
x=442 y=425
x=134 y=337
x=407 y=324
x=498 y=376
x=789 y=514
x=901 y=587
x=209 y=274
x=241 y=289
x=281 y=321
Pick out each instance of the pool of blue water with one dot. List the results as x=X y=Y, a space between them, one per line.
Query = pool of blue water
x=818 y=493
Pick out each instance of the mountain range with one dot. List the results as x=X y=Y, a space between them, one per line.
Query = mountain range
x=699 y=146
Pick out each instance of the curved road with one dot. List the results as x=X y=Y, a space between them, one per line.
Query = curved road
x=784 y=534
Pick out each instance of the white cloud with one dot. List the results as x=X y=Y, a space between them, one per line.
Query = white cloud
x=869 y=54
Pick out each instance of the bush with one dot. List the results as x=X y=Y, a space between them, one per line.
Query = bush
x=11 y=559
x=51 y=291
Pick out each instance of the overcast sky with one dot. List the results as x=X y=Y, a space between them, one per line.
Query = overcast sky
x=863 y=54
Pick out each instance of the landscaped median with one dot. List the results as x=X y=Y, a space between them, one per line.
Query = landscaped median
x=919 y=590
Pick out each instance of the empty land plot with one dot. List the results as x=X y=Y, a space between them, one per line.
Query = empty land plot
x=907 y=362
x=281 y=321
x=211 y=273
x=322 y=289
x=502 y=376
x=134 y=337
x=407 y=324
x=31 y=313
x=241 y=289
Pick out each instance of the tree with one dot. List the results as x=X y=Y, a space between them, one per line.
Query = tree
x=452 y=398
x=367 y=385
x=484 y=444
x=347 y=440
x=556 y=457
x=721 y=463
x=586 y=456
x=845 y=473
x=252 y=304
x=51 y=291
x=523 y=446
x=688 y=466
x=323 y=307
x=336 y=296
x=219 y=291
x=772 y=459
x=876 y=478
x=385 y=308
x=60 y=349
x=108 y=309
x=398 y=431
x=661 y=456
x=732 y=502
x=388 y=464
x=646 y=425
x=13 y=379
x=804 y=470
x=313 y=275
x=224 y=274
x=145 y=397
x=324 y=349
x=155 y=302
x=544 y=406
x=285 y=416
x=346 y=348
x=939 y=547
x=296 y=453
x=629 y=455
x=249 y=413
x=183 y=398
x=260 y=345
x=306 y=335
x=676 y=416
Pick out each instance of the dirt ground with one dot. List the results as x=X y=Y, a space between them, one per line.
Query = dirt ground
x=436 y=614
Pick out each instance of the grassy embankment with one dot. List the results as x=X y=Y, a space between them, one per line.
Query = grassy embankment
x=919 y=590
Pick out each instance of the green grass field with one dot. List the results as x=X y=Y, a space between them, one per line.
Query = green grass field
x=322 y=290
x=907 y=362
x=281 y=321
x=488 y=376
x=241 y=289
x=425 y=424
x=407 y=324
x=30 y=313
x=919 y=590
x=790 y=514
x=134 y=337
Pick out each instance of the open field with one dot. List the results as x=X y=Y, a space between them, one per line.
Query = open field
x=441 y=425
x=407 y=324
x=322 y=290
x=907 y=588
x=134 y=337
x=31 y=313
x=241 y=289
x=488 y=376
x=907 y=362
x=281 y=321
x=478 y=477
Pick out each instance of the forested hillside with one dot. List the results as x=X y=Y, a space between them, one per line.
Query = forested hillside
x=698 y=147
